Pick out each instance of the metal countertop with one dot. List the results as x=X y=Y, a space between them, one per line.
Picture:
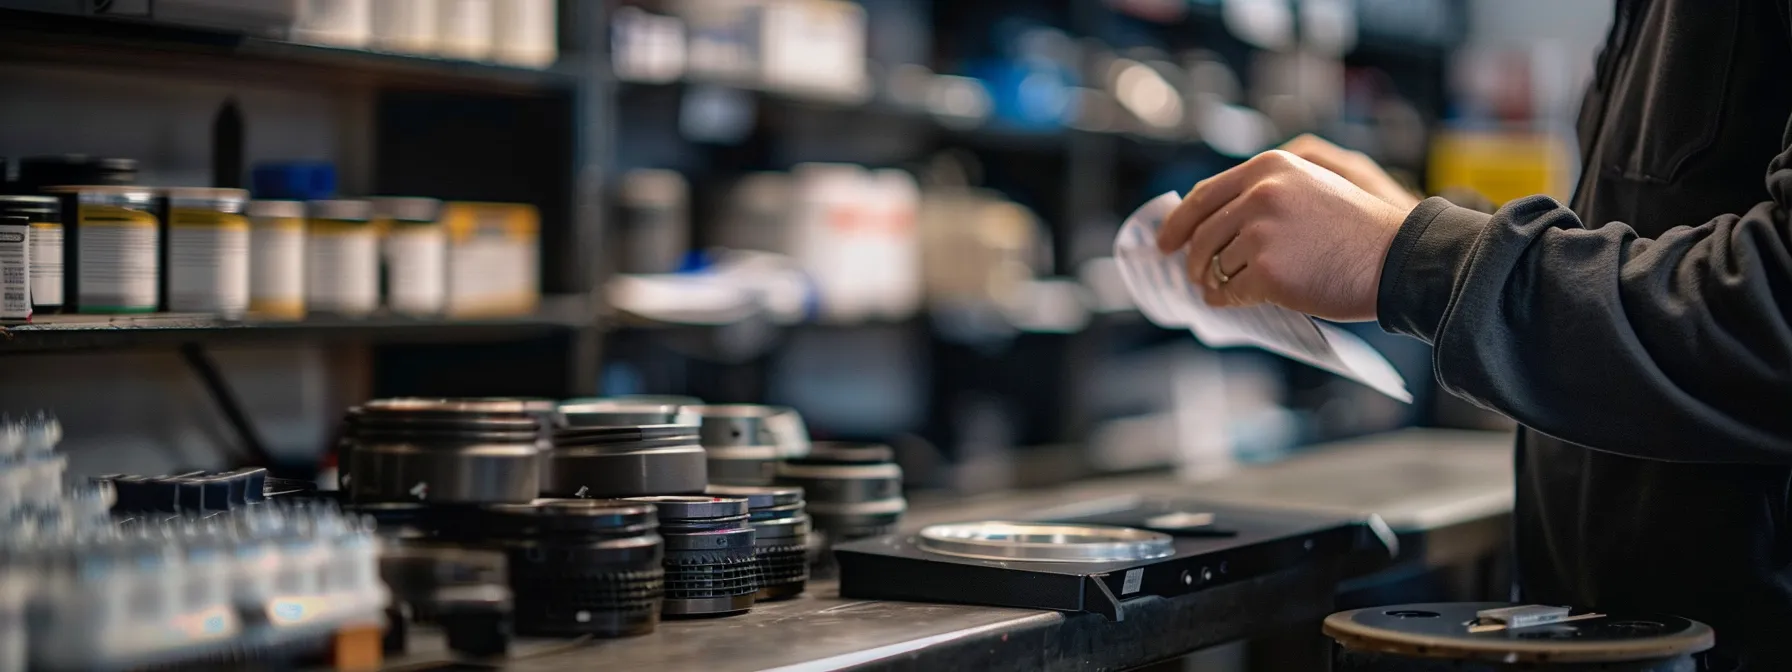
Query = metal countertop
x=1415 y=480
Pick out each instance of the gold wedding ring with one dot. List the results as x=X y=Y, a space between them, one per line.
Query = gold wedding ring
x=1218 y=273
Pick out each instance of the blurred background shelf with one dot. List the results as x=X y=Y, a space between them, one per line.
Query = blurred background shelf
x=140 y=44
x=559 y=315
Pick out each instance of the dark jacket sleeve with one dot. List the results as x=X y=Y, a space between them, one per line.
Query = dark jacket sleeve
x=1676 y=348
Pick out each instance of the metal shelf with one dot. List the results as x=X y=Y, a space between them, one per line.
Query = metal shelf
x=64 y=39
x=86 y=332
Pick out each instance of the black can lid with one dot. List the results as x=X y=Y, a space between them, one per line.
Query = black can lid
x=503 y=420
x=36 y=172
x=31 y=206
x=760 y=496
x=566 y=516
x=688 y=507
x=570 y=437
x=841 y=452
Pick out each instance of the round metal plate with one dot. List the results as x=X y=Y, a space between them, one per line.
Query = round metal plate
x=1045 y=542
x=1442 y=630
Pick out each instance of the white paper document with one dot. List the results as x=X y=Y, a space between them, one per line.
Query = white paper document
x=1160 y=286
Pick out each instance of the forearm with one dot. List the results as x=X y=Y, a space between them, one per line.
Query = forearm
x=1674 y=348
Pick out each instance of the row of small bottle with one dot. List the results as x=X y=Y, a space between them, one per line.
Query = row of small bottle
x=78 y=236
x=159 y=592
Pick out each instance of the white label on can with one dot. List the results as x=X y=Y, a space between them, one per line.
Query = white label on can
x=118 y=268
x=1135 y=578
x=15 y=271
x=208 y=263
x=46 y=264
x=417 y=268
x=277 y=268
x=342 y=270
x=491 y=275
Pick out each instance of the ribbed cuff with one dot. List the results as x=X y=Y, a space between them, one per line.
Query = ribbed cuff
x=1419 y=274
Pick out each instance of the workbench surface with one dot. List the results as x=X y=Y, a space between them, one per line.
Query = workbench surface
x=1452 y=478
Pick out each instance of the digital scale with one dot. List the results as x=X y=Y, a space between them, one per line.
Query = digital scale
x=1093 y=562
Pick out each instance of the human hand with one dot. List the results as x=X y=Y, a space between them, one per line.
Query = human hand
x=1285 y=231
x=1352 y=165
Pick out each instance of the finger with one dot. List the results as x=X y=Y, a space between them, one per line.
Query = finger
x=1304 y=143
x=1243 y=286
x=1219 y=230
x=1319 y=151
x=1241 y=291
x=1209 y=195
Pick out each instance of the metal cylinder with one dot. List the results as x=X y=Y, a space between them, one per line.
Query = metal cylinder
x=780 y=537
x=446 y=451
x=745 y=441
x=615 y=412
x=853 y=491
x=579 y=567
x=710 y=565
x=625 y=461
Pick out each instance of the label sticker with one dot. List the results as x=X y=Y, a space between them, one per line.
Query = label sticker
x=1134 y=579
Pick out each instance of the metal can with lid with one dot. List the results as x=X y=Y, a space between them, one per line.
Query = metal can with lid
x=205 y=261
x=277 y=259
x=341 y=258
x=39 y=172
x=415 y=254
x=111 y=259
x=44 y=213
x=15 y=268
x=446 y=451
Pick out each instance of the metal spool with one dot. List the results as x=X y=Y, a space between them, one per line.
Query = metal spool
x=446 y=451
x=625 y=461
x=710 y=565
x=1452 y=636
x=579 y=567
x=780 y=537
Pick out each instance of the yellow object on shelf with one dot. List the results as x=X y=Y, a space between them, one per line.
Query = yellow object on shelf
x=494 y=258
x=1502 y=165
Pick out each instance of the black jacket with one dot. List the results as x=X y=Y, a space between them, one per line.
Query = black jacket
x=1644 y=336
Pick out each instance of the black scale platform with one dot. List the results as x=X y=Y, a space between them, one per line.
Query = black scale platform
x=1094 y=562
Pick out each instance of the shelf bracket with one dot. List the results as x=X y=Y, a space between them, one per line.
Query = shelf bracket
x=227 y=402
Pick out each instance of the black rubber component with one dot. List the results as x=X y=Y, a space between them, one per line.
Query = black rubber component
x=711 y=569
x=783 y=570
x=579 y=567
x=781 y=537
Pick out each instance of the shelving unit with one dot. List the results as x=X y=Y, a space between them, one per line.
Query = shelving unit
x=136 y=44
x=408 y=124
x=560 y=315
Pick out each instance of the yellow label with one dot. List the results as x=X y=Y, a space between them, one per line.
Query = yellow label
x=193 y=218
x=1502 y=166
x=515 y=221
x=280 y=223
x=112 y=215
x=46 y=226
x=290 y=309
